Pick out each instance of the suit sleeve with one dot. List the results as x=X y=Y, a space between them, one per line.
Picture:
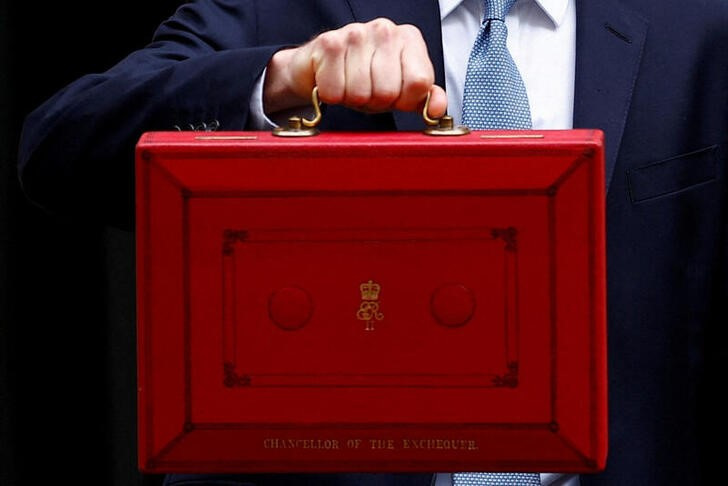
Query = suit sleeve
x=77 y=149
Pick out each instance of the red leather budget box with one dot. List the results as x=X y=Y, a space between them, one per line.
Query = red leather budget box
x=371 y=302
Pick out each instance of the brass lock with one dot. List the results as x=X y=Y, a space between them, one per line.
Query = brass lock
x=301 y=127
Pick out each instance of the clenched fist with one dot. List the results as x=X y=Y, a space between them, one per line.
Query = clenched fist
x=373 y=67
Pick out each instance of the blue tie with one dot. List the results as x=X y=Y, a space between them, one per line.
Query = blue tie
x=494 y=96
x=496 y=479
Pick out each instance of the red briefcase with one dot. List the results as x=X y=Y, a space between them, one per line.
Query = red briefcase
x=371 y=302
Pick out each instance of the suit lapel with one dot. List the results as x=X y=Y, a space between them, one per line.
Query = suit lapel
x=425 y=14
x=609 y=42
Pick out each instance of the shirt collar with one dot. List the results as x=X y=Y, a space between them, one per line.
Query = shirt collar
x=554 y=9
x=447 y=6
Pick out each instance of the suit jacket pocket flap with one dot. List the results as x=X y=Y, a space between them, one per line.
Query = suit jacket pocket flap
x=672 y=175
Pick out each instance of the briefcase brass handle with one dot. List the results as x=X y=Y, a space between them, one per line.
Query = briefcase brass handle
x=441 y=126
x=301 y=127
x=316 y=109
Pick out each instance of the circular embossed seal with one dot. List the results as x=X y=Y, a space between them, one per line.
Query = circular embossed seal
x=452 y=305
x=290 y=308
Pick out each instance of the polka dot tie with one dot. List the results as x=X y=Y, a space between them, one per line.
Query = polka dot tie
x=494 y=96
x=496 y=479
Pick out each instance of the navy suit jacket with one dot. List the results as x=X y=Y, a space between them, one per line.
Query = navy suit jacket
x=653 y=74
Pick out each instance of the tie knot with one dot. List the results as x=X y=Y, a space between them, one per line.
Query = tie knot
x=497 y=9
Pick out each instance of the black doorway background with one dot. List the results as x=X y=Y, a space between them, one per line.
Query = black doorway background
x=67 y=337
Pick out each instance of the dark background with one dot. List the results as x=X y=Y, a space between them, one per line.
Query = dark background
x=67 y=337
x=67 y=323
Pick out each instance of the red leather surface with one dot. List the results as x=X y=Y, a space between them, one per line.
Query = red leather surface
x=371 y=302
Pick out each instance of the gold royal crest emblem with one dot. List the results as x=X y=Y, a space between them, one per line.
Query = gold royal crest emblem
x=369 y=308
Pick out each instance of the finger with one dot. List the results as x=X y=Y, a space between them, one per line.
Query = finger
x=386 y=68
x=288 y=80
x=328 y=54
x=438 y=102
x=357 y=66
x=418 y=75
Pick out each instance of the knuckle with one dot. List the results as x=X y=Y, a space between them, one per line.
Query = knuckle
x=331 y=42
x=385 y=96
x=382 y=26
x=382 y=22
x=331 y=95
x=410 y=32
x=356 y=33
x=357 y=98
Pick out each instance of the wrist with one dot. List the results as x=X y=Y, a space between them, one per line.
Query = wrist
x=280 y=91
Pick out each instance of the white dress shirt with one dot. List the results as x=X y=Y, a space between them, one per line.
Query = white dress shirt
x=542 y=42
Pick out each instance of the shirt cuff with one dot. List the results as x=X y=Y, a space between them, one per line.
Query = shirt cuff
x=259 y=120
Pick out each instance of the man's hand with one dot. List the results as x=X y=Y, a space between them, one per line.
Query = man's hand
x=373 y=67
